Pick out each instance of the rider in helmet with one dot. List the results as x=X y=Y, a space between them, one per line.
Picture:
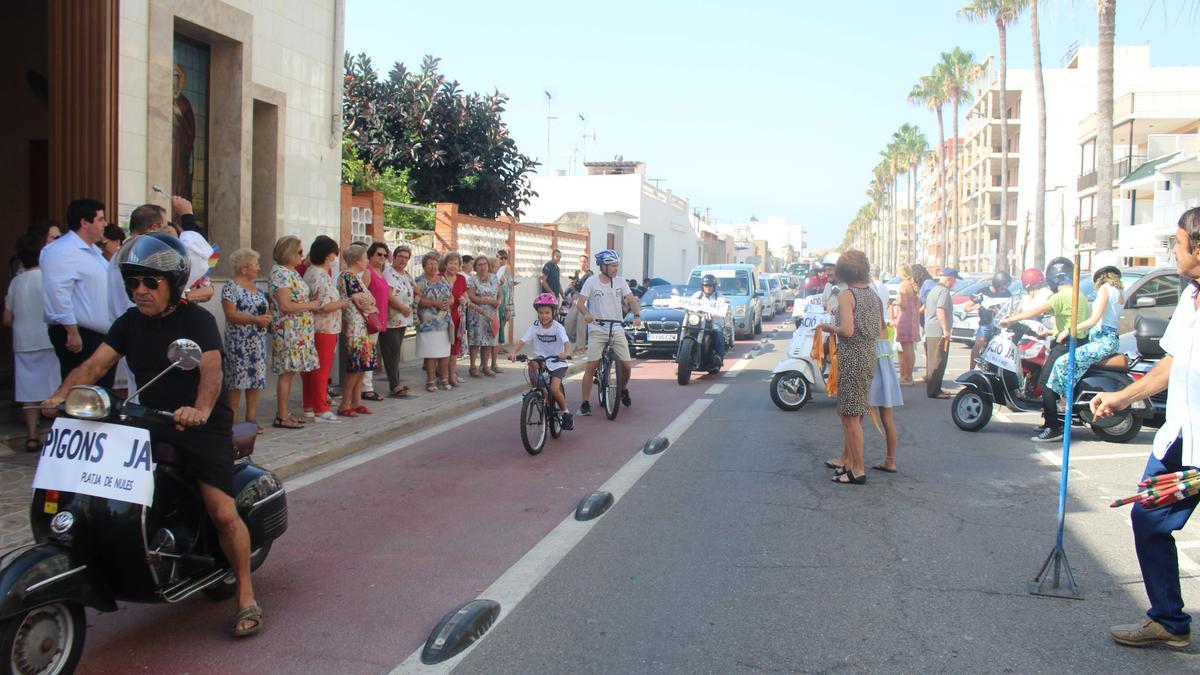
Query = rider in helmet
x=708 y=291
x=1060 y=275
x=155 y=268
x=1036 y=292
x=601 y=298
x=1001 y=280
x=549 y=339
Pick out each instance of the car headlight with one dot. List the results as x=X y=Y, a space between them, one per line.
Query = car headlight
x=88 y=403
x=740 y=310
x=693 y=319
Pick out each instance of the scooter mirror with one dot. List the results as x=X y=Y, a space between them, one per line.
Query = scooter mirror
x=185 y=353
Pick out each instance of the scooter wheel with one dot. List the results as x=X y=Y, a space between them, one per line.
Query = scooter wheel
x=970 y=409
x=46 y=639
x=789 y=390
x=1122 y=432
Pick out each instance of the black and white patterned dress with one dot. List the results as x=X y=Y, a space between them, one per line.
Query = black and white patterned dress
x=856 y=354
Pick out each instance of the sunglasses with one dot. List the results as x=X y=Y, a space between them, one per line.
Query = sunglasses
x=151 y=283
x=381 y=253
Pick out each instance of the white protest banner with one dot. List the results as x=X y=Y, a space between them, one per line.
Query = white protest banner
x=97 y=459
x=814 y=316
x=717 y=308
x=1002 y=353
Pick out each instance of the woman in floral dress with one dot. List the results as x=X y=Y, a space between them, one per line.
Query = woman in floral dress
x=246 y=321
x=359 y=344
x=452 y=269
x=293 y=346
x=433 y=296
x=483 y=320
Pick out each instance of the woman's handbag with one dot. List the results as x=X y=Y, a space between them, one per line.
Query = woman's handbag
x=374 y=323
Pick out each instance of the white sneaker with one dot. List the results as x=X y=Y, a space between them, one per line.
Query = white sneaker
x=328 y=417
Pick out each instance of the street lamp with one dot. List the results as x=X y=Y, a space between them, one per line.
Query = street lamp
x=1062 y=216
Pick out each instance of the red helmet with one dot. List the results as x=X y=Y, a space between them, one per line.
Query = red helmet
x=1032 y=277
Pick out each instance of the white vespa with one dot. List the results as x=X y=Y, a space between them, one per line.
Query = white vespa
x=799 y=374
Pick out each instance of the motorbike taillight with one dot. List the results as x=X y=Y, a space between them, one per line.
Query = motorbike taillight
x=1137 y=376
x=50 y=504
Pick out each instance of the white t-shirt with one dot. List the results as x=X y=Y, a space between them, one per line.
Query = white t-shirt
x=604 y=300
x=24 y=300
x=547 y=342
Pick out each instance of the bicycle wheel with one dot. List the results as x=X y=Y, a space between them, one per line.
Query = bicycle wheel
x=611 y=391
x=533 y=430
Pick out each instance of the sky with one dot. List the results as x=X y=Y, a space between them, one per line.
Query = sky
x=760 y=108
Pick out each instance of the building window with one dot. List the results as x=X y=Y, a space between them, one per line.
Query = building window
x=360 y=219
x=189 y=127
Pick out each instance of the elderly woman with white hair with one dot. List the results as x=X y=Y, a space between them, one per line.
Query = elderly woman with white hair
x=246 y=321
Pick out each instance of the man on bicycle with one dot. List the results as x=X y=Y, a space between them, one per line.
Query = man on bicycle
x=549 y=340
x=601 y=298
x=708 y=291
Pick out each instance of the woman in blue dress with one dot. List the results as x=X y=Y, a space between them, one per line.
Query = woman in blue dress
x=246 y=321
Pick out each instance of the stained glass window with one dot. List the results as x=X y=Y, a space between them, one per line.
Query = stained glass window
x=189 y=128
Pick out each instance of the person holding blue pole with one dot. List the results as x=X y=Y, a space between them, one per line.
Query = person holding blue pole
x=1176 y=448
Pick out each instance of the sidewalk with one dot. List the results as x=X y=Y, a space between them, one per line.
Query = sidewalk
x=288 y=452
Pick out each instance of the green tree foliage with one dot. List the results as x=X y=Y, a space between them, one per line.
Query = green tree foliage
x=361 y=176
x=449 y=146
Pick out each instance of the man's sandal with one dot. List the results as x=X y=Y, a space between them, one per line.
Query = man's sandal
x=252 y=615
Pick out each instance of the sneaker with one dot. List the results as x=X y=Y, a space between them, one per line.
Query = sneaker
x=329 y=417
x=625 y=400
x=1146 y=634
x=1048 y=435
x=585 y=409
x=568 y=422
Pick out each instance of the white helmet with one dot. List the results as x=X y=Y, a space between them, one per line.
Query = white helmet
x=831 y=258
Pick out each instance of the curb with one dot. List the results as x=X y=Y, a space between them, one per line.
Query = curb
x=366 y=439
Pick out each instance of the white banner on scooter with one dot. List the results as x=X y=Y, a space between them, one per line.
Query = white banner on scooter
x=1002 y=353
x=717 y=308
x=97 y=459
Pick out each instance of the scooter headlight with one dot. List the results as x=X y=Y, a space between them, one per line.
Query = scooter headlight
x=693 y=319
x=740 y=310
x=88 y=403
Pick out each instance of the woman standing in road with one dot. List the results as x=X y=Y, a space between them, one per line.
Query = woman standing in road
x=908 y=331
x=860 y=318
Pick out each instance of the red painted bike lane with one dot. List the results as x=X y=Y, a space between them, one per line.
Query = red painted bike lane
x=377 y=554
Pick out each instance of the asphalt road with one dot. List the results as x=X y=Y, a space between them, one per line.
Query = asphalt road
x=736 y=554
x=730 y=552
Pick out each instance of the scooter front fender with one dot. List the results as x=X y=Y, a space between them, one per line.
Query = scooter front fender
x=979 y=381
x=46 y=573
x=805 y=367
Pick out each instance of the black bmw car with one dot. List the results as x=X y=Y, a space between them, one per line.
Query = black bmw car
x=659 y=334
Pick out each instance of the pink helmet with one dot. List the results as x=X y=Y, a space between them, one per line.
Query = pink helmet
x=545 y=300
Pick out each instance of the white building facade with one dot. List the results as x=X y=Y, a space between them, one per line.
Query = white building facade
x=651 y=228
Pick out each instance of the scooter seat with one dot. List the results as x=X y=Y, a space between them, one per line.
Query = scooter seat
x=244 y=435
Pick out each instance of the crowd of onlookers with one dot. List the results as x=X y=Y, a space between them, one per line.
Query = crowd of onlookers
x=324 y=309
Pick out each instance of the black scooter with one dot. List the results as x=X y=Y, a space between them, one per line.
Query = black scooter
x=988 y=385
x=1148 y=330
x=697 y=346
x=92 y=551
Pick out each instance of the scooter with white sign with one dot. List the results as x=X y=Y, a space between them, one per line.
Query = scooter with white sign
x=794 y=379
x=999 y=379
x=114 y=519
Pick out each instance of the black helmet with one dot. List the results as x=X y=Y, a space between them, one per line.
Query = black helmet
x=1059 y=271
x=159 y=254
x=708 y=280
x=1001 y=279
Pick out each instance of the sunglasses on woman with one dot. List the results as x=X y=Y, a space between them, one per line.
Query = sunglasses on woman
x=151 y=283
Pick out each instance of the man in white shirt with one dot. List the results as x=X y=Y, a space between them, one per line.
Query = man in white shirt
x=75 y=288
x=1176 y=448
x=601 y=298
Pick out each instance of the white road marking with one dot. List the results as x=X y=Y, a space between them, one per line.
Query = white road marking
x=735 y=368
x=520 y=579
x=1055 y=458
x=1187 y=544
x=715 y=389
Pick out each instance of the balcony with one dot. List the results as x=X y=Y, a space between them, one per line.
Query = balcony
x=1169 y=107
x=1121 y=168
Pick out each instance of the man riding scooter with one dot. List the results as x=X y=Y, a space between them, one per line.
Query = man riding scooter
x=155 y=268
x=987 y=329
x=708 y=291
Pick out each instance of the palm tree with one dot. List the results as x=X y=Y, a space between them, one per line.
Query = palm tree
x=1003 y=13
x=915 y=146
x=1107 y=10
x=1039 y=87
x=930 y=91
x=960 y=71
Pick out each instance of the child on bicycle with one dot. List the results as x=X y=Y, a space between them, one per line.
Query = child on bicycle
x=601 y=298
x=549 y=340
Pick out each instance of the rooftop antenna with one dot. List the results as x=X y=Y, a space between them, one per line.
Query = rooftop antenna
x=656 y=181
x=586 y=136
x=549 y=117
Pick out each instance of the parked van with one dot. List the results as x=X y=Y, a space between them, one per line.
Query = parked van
x=739 y=285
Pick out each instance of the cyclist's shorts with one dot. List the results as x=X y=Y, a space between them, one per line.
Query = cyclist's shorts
x=560 y=373
x=597 y=341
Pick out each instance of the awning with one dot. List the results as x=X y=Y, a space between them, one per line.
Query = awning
x=1183 y=164
x=1147 y=169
